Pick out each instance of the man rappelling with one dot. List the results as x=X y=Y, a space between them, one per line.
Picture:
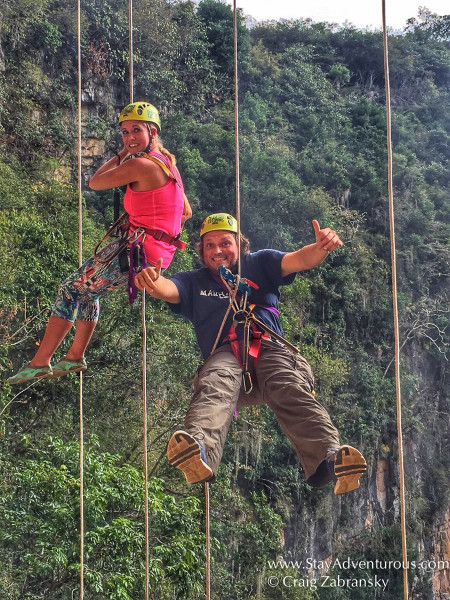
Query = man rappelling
x=250 y=363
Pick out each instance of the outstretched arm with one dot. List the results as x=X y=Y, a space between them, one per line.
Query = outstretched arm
x=312 y=255
x=158 y=286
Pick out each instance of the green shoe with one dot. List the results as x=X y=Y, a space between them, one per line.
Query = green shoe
x=27 y=373
x=65 y=366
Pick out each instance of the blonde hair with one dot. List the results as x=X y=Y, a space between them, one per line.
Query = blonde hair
x=158 y=146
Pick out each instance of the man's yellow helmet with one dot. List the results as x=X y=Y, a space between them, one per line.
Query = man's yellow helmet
x=219 y=222
x=141 y=111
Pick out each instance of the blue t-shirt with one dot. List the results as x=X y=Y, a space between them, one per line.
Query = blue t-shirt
x=204 y=301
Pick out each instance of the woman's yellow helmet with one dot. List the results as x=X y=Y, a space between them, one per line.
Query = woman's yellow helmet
x=141 y=111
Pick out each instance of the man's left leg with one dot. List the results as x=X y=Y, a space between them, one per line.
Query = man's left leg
x=287 y=386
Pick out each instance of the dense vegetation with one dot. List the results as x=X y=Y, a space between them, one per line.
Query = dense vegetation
x=312 y=120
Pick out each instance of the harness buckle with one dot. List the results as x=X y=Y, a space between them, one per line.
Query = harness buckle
x=240 y=316
x=139 y=232
x=247 y=381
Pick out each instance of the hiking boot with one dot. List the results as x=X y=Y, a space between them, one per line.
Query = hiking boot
x=349 y=465
x=188 y=454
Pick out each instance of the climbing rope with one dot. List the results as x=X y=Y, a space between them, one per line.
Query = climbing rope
x=130 y=50
x=237 y=172
x=145 y=436
x=395 y=304
x=144 y=340
x=232 y=296
x=236 y=134
x=207 y=537
x=144 y=328
x=80 y=262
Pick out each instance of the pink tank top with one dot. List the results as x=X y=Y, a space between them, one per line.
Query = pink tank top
x=161 y=208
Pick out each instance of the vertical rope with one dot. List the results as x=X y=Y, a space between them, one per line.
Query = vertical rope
x=236 y=134
x=395 y=304
x=80 y=262
x=130 y=49
x=208 y=550
x=238 y=219
x=144 y=342
x=145 y=449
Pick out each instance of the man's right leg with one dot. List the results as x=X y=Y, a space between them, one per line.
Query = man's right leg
x=216 y=390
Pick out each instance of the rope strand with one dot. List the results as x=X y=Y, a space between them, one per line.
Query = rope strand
x=236 y=135
x=145 y=447
x=395 y=304
x=80 y=262
x=144 y=343
x=130 y=50
x=207 y=539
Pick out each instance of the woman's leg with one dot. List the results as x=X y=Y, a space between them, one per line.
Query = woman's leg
x=82 y=337
x=101 y=279
x=57 y=329
x=78 y=297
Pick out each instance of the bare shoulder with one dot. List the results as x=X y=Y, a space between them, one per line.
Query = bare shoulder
x=148 y=173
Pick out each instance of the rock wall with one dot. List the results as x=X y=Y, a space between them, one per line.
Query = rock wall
x=441 y=575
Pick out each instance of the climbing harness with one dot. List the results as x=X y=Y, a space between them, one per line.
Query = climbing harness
x=119 y=229
x=156 y=160
x=138 y=262
x=255 y=330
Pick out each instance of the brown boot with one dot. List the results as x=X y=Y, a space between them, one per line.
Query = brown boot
x=348 y=468
x=188 y=454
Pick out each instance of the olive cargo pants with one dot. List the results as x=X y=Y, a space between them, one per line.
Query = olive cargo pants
x=283 y=380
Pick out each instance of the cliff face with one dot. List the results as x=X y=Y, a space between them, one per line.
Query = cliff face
x=325 y=528
x=441 y=572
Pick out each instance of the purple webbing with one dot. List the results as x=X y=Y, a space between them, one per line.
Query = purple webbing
x=135 y=269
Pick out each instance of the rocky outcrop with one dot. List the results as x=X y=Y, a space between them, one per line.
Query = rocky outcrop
x=441 y=561
x=2 y=59
x=92 y=149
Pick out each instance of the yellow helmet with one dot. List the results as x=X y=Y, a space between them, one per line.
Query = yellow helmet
x=218 y=222
x=141 y=111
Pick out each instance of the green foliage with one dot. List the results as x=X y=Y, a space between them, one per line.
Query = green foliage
x=39 y=524
x=254 y=531
x=218 y=18
x=312 y=143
